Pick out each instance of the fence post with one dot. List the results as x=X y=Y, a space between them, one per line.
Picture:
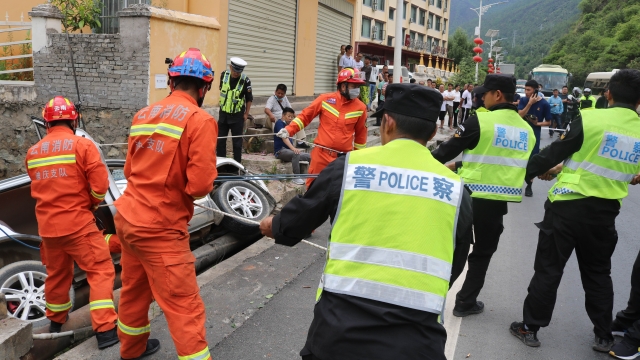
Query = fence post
x=44 y=18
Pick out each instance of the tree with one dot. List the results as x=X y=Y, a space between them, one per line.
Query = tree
x=467 y=73
x=460 y=46
x=79 y=13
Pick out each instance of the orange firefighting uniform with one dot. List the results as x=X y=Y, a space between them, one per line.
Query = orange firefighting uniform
x=68 y=179
x=343 y=127
x=113 y=242
x=170 y=162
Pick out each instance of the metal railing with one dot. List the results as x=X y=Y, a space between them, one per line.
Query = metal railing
x=15 y=67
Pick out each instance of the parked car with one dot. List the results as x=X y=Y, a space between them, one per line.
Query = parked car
x=405 y=77
x=22 y=274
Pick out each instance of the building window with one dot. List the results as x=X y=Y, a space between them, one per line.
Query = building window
x=444 y=27
x=421 y=17
x=109 y=14
x=366 y=27
x=392 y=12
x=420 y=38
x=436 y=42
x=412 y=35
x=414 y=14
x=446 y=5
x=438 y=23
x=430 y=23
x=389 y=40
x=431 y=2
x=404 y=11
x=429 y=42
x=366 y=2
x=378 y=31
x=439 y=4
x=380 y=5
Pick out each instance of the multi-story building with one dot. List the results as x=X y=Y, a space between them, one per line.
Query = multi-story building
x=425 y=29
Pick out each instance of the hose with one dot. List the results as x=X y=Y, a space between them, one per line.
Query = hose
x=18 y=241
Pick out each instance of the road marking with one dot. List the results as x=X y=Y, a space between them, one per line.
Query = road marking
x=452 y=323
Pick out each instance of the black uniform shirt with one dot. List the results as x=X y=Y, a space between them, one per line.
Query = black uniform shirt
x=350 y=327
x=246 y=91
x=467 y=137
x=590 y=209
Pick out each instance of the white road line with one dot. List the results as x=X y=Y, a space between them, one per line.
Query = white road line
x=452 y=323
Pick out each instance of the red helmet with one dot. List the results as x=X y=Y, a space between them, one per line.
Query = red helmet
x=192 y=63
x=59 y=108
x=351 y=75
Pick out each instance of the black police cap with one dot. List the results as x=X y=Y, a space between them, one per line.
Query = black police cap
x=412 y=100
x=503 y=82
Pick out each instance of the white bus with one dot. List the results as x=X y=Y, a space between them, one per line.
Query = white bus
x=550 y=77
x=598 y=81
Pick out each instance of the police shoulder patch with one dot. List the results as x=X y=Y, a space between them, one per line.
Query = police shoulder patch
x=331 y=101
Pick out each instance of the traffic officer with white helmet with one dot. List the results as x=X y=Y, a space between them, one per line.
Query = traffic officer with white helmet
x=601 y=153
x=401 y=229
x=587 y=101
x=235 y=104
x=496 y=145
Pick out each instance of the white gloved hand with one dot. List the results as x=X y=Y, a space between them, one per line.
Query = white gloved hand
x=283 y=134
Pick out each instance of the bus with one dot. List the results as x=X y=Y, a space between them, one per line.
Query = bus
x=550 y=77
x=598 y=81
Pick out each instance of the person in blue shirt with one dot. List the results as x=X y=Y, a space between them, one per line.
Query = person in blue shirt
x=557 y=108
x=284 y=149
x=536 y=110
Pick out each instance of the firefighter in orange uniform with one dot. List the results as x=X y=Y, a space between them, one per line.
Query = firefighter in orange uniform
x=113 y=242
x=343 y=121
x=68 y=181
x=170 y=162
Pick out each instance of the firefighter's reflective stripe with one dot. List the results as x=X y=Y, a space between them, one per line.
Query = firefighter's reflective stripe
x=392 y=294
x=200 y=355
x=101 y=304
x=145 y=129
x=107 y=238
x=59 y=307
x=133 y=331
x=98 y=196
x=162 y=128
x=330 y=109
x=495 y=160
x=391 y=257
x=353 y=114
x=52 y=160
x=359 y=146
x=599 y=170
x=299 y=123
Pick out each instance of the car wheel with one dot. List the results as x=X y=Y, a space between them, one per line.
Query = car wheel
x=242 y=199
x=22 y=284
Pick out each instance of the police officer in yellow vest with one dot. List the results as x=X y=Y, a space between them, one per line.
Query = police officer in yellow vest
x=401 y=230
x=235 y=104
x=601 y=153
x=496 y=145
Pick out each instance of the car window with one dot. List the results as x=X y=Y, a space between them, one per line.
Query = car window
x=117 y=173
x=405 y=72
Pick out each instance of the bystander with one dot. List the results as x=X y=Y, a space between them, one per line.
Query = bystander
x=466 y=102
x=556 y=112
x=342 y=51
x=602 y=102
x=449 y=96
x=372 y=77
x=284 y=149
x=347 y=61
x=443 y=107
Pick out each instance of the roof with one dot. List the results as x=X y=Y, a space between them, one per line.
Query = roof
x=550 y=68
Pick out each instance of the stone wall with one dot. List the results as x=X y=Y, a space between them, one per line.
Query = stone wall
x=111 y=73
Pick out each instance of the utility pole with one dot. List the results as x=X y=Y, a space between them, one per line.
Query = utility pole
x=480 y=10
x=397 y=50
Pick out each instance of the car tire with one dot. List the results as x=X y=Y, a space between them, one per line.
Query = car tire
x=242 y=199
x=34 y=273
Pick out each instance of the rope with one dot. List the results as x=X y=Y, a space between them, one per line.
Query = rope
x=254 y=135
x=251 y=221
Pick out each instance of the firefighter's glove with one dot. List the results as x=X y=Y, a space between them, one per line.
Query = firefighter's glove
x=283 y=134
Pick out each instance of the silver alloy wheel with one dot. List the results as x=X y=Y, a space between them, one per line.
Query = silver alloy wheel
x=244 y=202
x=24 y=292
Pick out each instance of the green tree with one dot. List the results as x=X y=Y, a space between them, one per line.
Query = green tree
x=460 y=46
x=79 y=13
x=467 y=74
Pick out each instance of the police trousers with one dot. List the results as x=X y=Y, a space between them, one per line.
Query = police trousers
x=594 y=244
x=235 y=123
x=487 y=228
x=629 y=318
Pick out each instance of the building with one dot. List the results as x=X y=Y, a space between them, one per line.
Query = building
x=425 y=29
x=295 y=42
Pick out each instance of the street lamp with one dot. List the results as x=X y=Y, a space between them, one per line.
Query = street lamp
x=481 y=10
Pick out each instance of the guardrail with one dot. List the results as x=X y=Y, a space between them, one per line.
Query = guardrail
x=11 y=65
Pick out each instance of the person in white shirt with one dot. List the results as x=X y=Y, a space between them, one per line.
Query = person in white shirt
x=456 y=104
x=275 y=106
x=359 y=64
x=373 y=80
x=467 y=103
x=448 y=100
x=443 y=108
x=347 y=61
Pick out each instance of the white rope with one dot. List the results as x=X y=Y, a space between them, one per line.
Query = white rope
x=252 y=222
x=555 y=129
x=254 y=135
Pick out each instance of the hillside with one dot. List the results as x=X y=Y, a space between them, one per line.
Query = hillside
x=461 y=12
x=537 y=25
x=605 y=37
